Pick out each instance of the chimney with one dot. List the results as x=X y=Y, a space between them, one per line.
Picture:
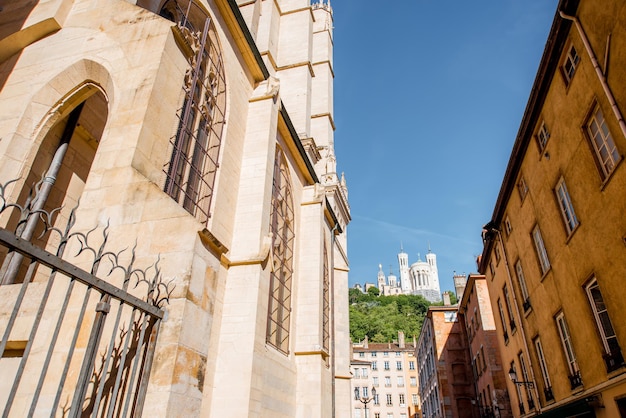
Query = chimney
x=446 y=299
x=365 y=342
x=401 y=339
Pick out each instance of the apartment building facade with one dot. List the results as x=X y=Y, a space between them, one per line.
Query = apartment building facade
x=446 y=384
x=388 y=377
x=489 y=374
x=555 y=245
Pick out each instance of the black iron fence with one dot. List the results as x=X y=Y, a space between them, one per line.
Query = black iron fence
x=74 y=344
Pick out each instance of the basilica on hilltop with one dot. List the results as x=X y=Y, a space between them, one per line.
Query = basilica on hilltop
x=419 y=278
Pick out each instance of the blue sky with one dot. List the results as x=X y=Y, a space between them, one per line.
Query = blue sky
x=429 y=95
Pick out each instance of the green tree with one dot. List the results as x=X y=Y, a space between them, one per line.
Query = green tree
x=353 y=295
x=380 y=318
x=373 y=291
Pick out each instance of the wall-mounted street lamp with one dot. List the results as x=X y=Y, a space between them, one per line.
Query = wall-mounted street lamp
x=513 y=377
x=364 y=400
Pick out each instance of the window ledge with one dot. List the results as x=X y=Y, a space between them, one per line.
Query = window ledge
x=617 y=372
x=571 y=234
x=611 y=174
x=528 y=311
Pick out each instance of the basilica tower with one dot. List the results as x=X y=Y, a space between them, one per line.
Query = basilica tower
x=382 y=280
x=405 y=279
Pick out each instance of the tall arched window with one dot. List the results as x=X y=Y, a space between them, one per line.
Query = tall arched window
x=282 y=229
x=326 y=303
x=190 y=172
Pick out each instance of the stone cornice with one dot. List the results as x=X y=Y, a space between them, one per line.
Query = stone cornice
x=327 y=114
x=243 y=38
x=330 y=65
x=289 y=132
x=298 y=64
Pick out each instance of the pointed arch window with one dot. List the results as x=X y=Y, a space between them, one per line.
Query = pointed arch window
x=282 y=229
x=326 y=303
x=192 y=167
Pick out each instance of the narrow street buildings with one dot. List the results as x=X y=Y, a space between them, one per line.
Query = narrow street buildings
x=446 y=383
x=555 y=247
x=488 y=372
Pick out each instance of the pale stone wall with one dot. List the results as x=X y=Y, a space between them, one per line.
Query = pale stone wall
x=211 y=357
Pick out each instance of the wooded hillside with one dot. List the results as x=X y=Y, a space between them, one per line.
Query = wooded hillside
x=381 y=317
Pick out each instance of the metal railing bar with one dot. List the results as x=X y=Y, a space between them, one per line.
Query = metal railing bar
x=20 y=369
x=127 y=277
x=70 y=353
x=35 y=326
x=16 y=308
x=107 y=361
x=24 y=247
x=86 y=369
x=148 y=358
x=136 y=369
x=120 y=369
x=60 y=317
x=55 y=336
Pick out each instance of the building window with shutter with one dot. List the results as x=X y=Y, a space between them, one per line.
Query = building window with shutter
x=606 y=154
x=540 y=248
x=522 y=188
x=612 y=352
x=547 y=390
x=507 y=302
x=570 y=63
x=521 y=279
x=503 y=320
x=542 y=136
x=568 y=350
x=567 y=209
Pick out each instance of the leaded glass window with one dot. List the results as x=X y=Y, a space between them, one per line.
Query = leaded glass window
x=326 y=303
x=192 y=167
x=282 y=229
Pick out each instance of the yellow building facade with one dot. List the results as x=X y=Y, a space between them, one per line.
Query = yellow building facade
x=555 y=247
x=184 y=253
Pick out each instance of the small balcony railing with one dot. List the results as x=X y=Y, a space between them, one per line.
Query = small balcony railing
x=613 y=360
x=547 y=392
x=575 y=380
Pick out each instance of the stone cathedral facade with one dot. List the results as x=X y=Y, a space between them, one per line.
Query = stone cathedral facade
x=196 y=139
